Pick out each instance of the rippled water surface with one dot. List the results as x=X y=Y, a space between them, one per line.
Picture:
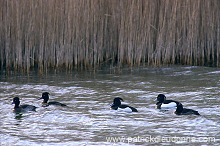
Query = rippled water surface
x=88 y=120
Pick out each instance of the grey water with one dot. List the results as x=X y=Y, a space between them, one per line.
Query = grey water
x=88 y=120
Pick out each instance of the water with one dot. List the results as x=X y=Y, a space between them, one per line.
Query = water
x=88 y=120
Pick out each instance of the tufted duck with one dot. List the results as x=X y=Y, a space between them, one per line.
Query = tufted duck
x=163 y=103
x=184 y=111
x=117 y=104
x=22 y=108
x=45 y=97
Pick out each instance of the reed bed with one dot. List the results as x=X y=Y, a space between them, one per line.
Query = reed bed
x=85 y=34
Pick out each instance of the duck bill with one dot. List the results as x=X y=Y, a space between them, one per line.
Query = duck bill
x=40 y=98
x=156 y=100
